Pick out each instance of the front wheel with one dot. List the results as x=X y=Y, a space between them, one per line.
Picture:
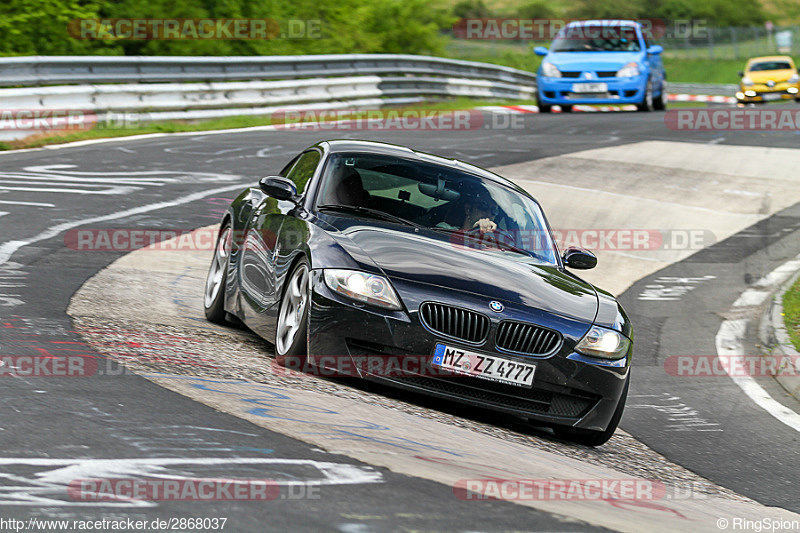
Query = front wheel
x=214 y=295
x=589 y=437
x=647 y=100
x=660 y=104
x=291 y=343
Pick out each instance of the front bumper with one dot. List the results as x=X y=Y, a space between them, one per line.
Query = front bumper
x=559 y=91
x=782 y=91
x=568 y=389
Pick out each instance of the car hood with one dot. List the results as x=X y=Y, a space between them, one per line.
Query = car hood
x=593 y=61
x=763 y=76
x=415 y=256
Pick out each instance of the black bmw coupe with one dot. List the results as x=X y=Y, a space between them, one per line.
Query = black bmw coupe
x=423 y=273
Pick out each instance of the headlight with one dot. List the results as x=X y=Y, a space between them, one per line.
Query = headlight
x=550 y=70
x=604 y=343
x=363 y=287
x=628 y=71
x=747 y=81
x=794 y=79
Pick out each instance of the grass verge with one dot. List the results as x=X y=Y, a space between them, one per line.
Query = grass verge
x=791 y=313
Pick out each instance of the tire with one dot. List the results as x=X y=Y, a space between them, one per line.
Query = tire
x=291 y=333
x=566 y=108
x=646 y=104
x=660 y=104
x=595 y=438
x=217 y=277
x=544 y=108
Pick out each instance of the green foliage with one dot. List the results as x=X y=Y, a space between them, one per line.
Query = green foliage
x=535 y=10
x=471 y=9
x=31 y=27
x=716 y=12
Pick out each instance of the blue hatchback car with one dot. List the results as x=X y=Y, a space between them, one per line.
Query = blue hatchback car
x=601 y=62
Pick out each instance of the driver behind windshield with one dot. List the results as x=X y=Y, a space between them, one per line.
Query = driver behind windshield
x=471 y=211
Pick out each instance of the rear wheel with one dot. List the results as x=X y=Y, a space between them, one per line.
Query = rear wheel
x=595 y=438
x=291 y=343
x=566 y=108
x=214 y=296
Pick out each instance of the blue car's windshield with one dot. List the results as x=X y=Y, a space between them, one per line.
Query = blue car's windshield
x=475 y=211
x=596 y=39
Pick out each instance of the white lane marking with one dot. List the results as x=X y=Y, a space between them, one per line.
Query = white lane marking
x=729 y=342
x=637 y=198
x=49 y=487
x=112 y=190
x=7 y=249
x=33 y=204
x=3 y=213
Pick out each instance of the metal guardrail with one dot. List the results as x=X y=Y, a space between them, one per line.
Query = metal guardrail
x=711 y=89
x=161 y=88
x=49 y=70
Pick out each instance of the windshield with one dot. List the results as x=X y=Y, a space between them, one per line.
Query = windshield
x=770 y=65
x=473 y=211
x=596 y=39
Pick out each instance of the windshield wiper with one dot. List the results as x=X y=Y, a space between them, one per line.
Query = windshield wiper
x=499 y=243
x=368 y=211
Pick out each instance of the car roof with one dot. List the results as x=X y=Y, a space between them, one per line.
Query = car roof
x=603 y=22
x=380 y=148
x=769 y=58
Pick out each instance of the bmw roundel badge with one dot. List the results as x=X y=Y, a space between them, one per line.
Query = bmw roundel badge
x=495 y=306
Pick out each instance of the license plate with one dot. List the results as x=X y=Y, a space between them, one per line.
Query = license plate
x=771 y=96
x=589 y=87
x=489 y=367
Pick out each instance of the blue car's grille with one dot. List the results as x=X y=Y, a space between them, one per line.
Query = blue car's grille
x=526 y=338
x=455 y=322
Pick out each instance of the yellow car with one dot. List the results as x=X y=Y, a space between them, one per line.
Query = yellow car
x=769 y=78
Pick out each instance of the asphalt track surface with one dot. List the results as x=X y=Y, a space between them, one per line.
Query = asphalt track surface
x=114 y=416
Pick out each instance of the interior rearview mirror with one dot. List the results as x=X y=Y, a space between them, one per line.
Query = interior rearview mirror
x=579 y=259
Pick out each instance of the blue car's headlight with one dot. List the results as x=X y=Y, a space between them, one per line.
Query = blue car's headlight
x=363 y=287
x=550 y=70
x=629 y=71
x=603 y=343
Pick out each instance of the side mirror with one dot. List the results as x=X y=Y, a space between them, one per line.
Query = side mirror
x=279 y=188
x=540 y=51
x=741 y=74
x=655 y=49
x=579 y=259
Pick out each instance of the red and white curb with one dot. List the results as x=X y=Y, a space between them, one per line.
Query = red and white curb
x=512 y=109
x=717 y=99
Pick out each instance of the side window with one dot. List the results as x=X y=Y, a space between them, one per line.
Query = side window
x=288 y=166
x=303 y=169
